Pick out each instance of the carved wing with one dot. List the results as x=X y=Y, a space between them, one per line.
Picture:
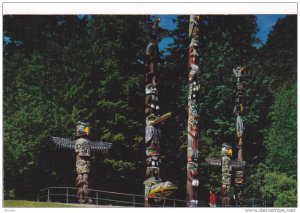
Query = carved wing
x=238 y=164
x=214 y=161
x=63 y=143
x=99 y=146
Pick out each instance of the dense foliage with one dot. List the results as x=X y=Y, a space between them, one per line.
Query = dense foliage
x=60 y=69
x=279 y=189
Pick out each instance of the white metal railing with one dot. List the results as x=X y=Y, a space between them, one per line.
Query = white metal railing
x=101 y=197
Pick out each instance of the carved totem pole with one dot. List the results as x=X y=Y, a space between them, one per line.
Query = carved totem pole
x=225 y=162
x=226 y=174
x=238 y=110
x=154 y=187
x=193 y=116
x=82 y=146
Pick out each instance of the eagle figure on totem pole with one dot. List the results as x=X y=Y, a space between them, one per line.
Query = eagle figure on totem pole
x=225 y=161
x=83 y=146
x=155 y=188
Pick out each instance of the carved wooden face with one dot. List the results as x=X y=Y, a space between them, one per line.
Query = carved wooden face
x=152 y=133
x=153 y=161
x=240 y=174
x=82 y=147
x=150 y=89
x=194 y=42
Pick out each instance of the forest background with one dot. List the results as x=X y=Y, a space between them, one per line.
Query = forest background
x=61 y=69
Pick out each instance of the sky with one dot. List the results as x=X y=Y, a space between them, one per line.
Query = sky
x=265 y=24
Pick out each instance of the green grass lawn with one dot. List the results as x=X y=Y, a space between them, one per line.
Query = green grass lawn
x=24 y=203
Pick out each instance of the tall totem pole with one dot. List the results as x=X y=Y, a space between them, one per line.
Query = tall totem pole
x=238 y=110
x=226 y=174
x=225 y=161
x=193 y=116
x=83 y=146
x=154 y=187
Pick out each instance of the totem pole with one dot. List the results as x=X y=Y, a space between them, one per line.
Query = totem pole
x=238 y=110
x=83 y=145
x=225 y=162
x=154 y=187
x=193 y=116
x=226 y=174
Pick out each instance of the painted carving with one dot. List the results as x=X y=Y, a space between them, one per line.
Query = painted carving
x=238 y=110
x=155 y=188
x=227 y=164
x=83 y=147
x=193 y=116
x=226 y=174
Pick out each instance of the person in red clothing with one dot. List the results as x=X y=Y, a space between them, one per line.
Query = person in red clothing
x=212 y=198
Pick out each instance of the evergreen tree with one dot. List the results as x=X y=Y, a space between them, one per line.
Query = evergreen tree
x=91 y=67
x=279 y=58
x=281 y=138
x=279 y=189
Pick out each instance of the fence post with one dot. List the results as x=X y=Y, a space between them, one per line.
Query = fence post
x=174 y=203
x=38 y=197
x=133 y=200
x=48 y=198
x=97 y=198
x=67 y=195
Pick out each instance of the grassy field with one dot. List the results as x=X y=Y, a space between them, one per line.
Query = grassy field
x=30 y=204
